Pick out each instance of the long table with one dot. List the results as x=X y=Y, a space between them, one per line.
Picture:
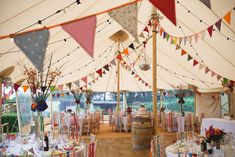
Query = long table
x=227 y=125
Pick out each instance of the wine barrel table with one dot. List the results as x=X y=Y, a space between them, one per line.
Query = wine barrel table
x=142 y=132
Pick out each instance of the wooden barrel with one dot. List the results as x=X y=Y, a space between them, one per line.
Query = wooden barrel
x=142 y=132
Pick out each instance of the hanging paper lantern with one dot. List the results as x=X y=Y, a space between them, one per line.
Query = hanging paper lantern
x=144 y=64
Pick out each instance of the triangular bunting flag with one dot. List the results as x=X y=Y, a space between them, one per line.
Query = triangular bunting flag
x=146 y=29
x=67 y=93
x=185 y=40
x=104 y=72
x=149 y=24
x=81 y=88
x=126 y=52
x=206 y=70
x=84 y=79
x=207 y=3
x=106 y=67
x=219 y=77
x=167 y=7
x=60 y=87
x=142 y=35
x=58 y=95
x=127 y=17
x=202 y=34
x=196 y=37
x=25 y=87
x=212 y=74
x=77 y=83
x=218 y=24
x=131 y=46
x=69 y=85
x=189 y=58
x=146 y=84
x=190 y=39
x=113 y=62
x=227 y=17
x=99 y=72
x=119 y=56
x=93 y=81
x=210 y=30
x=83 y=31
x=160 y=31
x=52 y=88
x=177 y=47
x=167 y=36
x=16 y=86
x=34 y=46
x=136 y=75
x=53 y=95
x=183 y=52
x=180 y=41
x=89 y=83
x=175 y=40
x=164 y=35
x=132 y=73
x=195 y=62
x=62 y=94
x=201 y=66
x=31 y=150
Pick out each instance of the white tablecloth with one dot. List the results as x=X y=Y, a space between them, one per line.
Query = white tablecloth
x=227 y=125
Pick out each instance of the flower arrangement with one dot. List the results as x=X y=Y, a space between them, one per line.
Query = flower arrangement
x=77 y=94
x=214 y=134
x=40 y=83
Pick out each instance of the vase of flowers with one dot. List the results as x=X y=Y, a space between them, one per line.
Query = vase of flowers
x=215 y=136
x=40 y=83
x=88 y=93
x=77 y=94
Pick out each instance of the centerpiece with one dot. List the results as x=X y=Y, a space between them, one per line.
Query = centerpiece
x=88 y=94
x=40 y=84
x=77 y=94
x=215 y=136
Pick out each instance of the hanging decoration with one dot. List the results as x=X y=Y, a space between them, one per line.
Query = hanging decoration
x=144 y=63
x=83 y=31
x=206 y=3
x=77 y=94
x=127 y=17
x=34 y=46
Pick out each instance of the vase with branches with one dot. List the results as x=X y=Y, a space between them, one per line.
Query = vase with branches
x=88 y=94
x=40 y=83
x=77 y=94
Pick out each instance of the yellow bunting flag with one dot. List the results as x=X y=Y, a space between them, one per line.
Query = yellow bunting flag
x=25 y=87
x=227 y=17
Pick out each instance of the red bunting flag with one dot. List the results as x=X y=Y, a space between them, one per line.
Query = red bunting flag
x=210 y=30
x=167 y=7
x=183 y=52
x=146 y=29
x=25 y=87
x=84 y=79
x=99 y=72
x=16 y=86
x=146 y=84
x=119 y=56
x=58 y=95
x=83 y=31
x=195 y=62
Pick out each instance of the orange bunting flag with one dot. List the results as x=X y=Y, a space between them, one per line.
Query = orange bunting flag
x=126 y=52
x=195 y=62
x=183 y=52
x=25 y=87
x=227 y=17
x=62 y=94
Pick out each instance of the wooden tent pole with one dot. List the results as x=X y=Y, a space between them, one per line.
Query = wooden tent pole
x=1 y=131
x=154 y=72
x=118 y=82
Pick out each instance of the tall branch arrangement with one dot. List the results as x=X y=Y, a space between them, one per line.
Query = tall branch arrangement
x=40 y=84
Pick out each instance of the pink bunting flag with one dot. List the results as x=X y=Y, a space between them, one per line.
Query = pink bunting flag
x=212 y=74
x=206 y=70
x=196 y=37
x=83 y=31
x=202 y=34
x=60 y=87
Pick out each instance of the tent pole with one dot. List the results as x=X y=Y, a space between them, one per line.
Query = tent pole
x=18 y=112
x=154 y=72
x=1 y=131
x=118 y=82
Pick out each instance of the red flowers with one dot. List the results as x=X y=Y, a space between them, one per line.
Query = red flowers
x=214 y=134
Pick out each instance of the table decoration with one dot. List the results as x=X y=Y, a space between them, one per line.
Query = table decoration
x=215 y=136
x=40 y=84
x=77 y=94
x=88 y=94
